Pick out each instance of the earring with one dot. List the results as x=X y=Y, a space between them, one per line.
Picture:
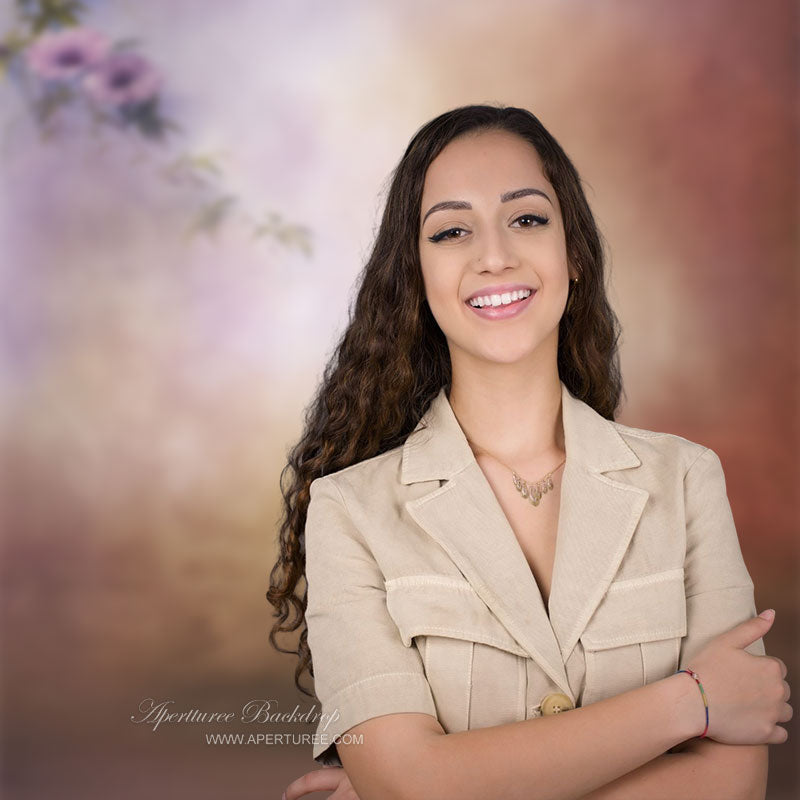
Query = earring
x=574 y=284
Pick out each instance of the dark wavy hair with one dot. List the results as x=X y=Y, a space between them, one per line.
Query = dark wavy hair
x=392 y=359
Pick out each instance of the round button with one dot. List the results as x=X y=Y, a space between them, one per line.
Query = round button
x=555 y=704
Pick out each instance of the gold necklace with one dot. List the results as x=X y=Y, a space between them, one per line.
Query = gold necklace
x=530 y=491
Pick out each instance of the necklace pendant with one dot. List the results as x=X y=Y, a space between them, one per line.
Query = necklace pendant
x=533 y=491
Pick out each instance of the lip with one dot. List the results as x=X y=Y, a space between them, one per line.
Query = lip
x=498 y=289
x=502 y=312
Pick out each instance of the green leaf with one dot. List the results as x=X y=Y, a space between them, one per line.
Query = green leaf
x=42 y=14
x=289 y=235
x=211 y=215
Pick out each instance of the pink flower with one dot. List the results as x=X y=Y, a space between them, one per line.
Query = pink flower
x=60 y=55
x=122 y=79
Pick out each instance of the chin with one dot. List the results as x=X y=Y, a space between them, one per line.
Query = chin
x=504 y=355
x=504 y=347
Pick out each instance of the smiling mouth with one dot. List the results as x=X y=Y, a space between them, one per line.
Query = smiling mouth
x=495 y=300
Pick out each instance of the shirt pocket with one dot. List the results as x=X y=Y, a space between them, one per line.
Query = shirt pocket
x=634 y=636
x=475 y=668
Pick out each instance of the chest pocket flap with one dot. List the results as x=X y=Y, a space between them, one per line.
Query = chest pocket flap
x=438 y=605
x=644 y=609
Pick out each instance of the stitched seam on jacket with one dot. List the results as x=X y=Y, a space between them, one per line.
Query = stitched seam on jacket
x=425 y=629
x=721 y=589
x=344 y=502
x=646 y=580
x=664 y=633
x=642 y=650
x=331 y=604
x=589 y=678
x=456 y=584
x=522 y=674
x=644 y=665
x=639 y=433
x=700 y=455
x=471 y=659
x=374 y=678
x=445 y=487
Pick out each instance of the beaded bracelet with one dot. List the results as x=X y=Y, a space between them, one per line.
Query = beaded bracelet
x=692 y=674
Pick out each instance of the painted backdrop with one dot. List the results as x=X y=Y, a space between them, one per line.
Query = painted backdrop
x=189 y=190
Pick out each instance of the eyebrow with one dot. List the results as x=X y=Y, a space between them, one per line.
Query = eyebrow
x=461 y=205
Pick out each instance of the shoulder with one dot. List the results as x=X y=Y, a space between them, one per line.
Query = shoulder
x=374 y=474
x=657 y=448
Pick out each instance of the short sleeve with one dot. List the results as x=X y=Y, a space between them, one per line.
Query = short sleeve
x=719 y=590
x=362 y=669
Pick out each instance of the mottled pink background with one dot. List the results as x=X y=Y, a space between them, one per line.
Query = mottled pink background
x=151 y=386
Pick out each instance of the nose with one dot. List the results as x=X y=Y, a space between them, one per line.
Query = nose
x=495 y=252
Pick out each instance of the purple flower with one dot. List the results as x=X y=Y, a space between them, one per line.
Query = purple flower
x=122 y=79
x=60 y=55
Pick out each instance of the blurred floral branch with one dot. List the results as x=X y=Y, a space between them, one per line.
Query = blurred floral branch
x=60 y=64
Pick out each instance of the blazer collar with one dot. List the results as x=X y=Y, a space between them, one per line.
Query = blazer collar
x=597 y=517
x=438 y=448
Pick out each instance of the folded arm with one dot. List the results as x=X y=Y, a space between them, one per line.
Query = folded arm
x=568 y=755
x=701 y=770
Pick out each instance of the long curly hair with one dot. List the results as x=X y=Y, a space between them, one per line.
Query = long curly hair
x=392 y=359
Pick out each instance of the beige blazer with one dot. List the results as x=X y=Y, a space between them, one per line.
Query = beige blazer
x=420 y=597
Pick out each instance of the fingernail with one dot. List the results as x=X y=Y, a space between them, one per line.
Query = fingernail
x=768 y=614
x=283 y=796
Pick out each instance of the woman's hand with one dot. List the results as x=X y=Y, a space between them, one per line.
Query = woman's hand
x=327 y=779
x=747 y=695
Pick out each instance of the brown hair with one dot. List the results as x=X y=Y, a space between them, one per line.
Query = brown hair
x=392 y=359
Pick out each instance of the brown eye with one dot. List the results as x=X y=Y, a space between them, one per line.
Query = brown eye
x=450 y=233
x=531 y=220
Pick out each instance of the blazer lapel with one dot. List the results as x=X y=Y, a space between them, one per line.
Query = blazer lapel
x=596 y=521
x=597 y=517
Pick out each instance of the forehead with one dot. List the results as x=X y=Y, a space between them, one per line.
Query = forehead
x=489 y=162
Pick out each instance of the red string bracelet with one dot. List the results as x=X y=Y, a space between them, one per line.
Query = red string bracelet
x=692 y=674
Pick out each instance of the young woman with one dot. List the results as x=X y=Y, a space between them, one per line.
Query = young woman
x=502 y=582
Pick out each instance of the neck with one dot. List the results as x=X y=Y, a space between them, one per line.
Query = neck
x=511 y=415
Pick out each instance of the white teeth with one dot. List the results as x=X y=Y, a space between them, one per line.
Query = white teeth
x=499 y=299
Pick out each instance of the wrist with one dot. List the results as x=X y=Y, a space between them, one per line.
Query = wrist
x=683 y=697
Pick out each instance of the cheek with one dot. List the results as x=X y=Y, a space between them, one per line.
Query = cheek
x=554 y=260
x=442 y=311
x=441 y=289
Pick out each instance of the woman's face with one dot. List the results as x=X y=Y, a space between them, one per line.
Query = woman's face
x=491 y=229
